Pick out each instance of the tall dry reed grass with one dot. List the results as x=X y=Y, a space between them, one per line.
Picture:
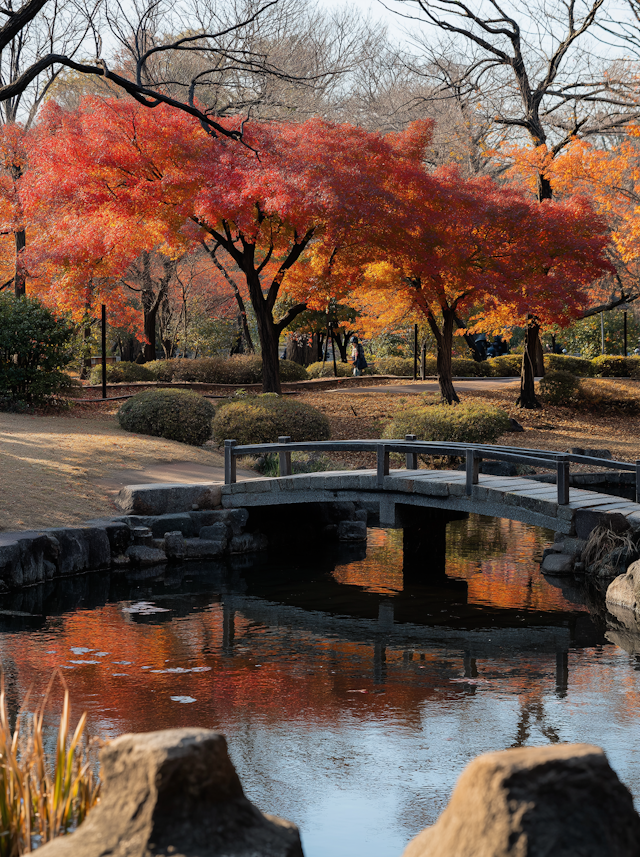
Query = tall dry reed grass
x=42 y=794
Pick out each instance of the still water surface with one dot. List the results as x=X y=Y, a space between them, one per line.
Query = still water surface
x=351 y=695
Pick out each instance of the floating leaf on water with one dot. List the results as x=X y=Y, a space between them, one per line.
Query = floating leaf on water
x=145 y=608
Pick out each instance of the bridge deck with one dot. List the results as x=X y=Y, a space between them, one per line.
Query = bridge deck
x=512 y=497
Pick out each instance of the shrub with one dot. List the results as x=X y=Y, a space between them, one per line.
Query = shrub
x=505 y=366
x=597 y=396
x=119 y=373
x=175 y=414
x=465 y=367
x=290 y=371
x=430 y=365
x=633 y=367
x=560 y=388
x=35 y=345
x=162 y=370
x=578 y=366
x=459 y=423
x=610 y=366
x=317 y=370
x=400 y=366
x=265 y=418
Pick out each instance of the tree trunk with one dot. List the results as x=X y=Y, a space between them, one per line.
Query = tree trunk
x=20 y=280
x=150 y=310
x=527 y=398
x=444 y=348
x=269 y=337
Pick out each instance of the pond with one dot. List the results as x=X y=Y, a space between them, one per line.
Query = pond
x=351 y=702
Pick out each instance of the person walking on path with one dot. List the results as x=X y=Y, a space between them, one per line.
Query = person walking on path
x=357 y=356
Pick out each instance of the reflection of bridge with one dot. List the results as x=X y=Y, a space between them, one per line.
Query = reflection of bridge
x=513 y=497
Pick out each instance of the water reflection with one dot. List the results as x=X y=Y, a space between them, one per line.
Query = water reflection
x=352 y=693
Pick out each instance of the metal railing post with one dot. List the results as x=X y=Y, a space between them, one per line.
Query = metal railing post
x=562 y=480
x=472 y=469
x=637 y=481
x=411 y=458
x=229 y=462
x=383 y=464
x=284 y=458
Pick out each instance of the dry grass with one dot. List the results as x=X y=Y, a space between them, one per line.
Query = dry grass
x=42 y=797
x=49 y=466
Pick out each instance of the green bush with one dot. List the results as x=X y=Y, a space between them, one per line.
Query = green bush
x=400 y=366
x=504 y=366
x=610 y=366
x=578 y=366
x=35 y=346
x=317 y=370
x=162 y=370
x=290 y=371
x=265 y=418
x=430 y=365
x=239 y=369
x=119 y=373
x=560 y=388
x=174 y=414
x=459 y=423
x=465 y=367
x=633 y=367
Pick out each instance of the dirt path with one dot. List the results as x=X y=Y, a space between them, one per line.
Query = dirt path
x=56 y=471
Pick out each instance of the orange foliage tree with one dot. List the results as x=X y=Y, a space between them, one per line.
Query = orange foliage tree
x=115 y=179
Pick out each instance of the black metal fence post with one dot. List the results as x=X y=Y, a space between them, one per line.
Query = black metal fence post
x=104 y=351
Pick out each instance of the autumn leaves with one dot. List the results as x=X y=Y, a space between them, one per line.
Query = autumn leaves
x=308 y=210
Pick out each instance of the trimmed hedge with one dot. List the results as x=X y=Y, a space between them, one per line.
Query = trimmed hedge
x=265 y=418
x=560 y=388
x=240 y=369
x=610 y=366
x=579 y=366
x=459 y=423
x=400 y=366
x=118 y=373
x=173 y=414
x=505 y=366
x=317 y=370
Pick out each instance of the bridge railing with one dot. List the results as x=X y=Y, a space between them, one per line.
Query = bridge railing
x=473 y=453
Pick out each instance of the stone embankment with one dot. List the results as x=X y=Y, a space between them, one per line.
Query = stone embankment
x=157 y=530
x=177 y=792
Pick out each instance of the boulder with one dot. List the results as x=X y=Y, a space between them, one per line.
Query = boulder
x=247 y=542
x=144 y=556
x=216 y=532
x=203 y=548
x=624 y=591
x=174 y=545
x=161 y=499
x=352 y=531
x=174 y=792
x=562 y=800
x=558 y=563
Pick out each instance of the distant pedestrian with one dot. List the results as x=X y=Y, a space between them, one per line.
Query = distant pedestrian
x=358 y=359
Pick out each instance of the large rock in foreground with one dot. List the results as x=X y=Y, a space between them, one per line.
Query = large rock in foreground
x=174 y=793
x=624 y=591
x=558 y=801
